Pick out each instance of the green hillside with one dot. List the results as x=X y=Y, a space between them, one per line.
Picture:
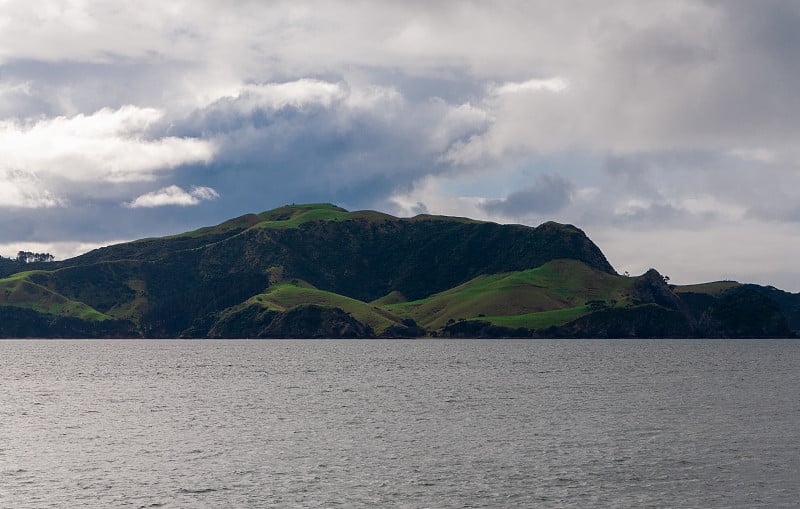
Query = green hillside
x=284 y=297
x=28 y=309
x=19 y=291
x=552 y=294
x=713 y=289
x=318 y=270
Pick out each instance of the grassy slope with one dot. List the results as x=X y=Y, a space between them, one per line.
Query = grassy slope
x=557 y=286
x=713 y=289
x=288 y=216
x=393 y=297
x=18 y=291
x=552 y=294
x=292 y=216
x=283 y=297
x=132 y=309
x=232 y=225
x=540 y=320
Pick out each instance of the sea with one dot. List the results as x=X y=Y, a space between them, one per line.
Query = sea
x=400 y=423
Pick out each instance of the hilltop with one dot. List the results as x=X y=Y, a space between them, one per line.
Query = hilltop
x=318 y=270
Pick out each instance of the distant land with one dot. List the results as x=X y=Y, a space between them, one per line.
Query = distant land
x=320 y=271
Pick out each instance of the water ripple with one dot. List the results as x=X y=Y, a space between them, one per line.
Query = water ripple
x=399 y=423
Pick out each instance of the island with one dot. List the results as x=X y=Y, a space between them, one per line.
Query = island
x=320 y=271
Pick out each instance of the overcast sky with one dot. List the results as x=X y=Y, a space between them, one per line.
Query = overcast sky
x=668 y=131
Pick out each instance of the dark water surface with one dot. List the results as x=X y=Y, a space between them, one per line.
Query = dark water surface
x=568 y=423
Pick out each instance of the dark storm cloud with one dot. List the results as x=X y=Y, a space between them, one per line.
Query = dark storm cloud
x=550 y=193
x=454 y=85
x=338 y=146
x=65 y=88
x=777 y=212
x=652 y=174
x=663 y=214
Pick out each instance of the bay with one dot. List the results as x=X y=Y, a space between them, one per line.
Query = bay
x=418 y=423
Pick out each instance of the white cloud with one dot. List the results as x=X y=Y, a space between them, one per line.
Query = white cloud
x=373 y=97
x=296 y=94
x=707 y=204
x=246 y=98
x=173 y=195
x=23 y=88
x=641 y=77
x=204 y=193
x=55 y=30
x=108 y=145
x=437 y=195
x=555 y=85
x=19 y=189
x=756 y=155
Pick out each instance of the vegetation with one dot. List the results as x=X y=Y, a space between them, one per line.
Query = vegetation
x=25 y=260
x=293 y=216
x=521 y=297
x=30 y=257
x=713 y=289
x=20 y=291
x=320 y=271
x=284 y=297
x=540 y=320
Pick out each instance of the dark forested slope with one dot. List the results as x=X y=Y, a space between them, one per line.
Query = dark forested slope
x=319 y=270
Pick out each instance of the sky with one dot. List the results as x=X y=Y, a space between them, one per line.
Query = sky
x=666 y=130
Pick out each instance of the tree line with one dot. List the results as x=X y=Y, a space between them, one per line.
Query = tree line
x=30 y=257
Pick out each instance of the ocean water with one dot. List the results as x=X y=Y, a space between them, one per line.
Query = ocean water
x=425 y=423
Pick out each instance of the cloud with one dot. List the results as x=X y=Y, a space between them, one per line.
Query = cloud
x=173 y=195
x=19 y=189
x=64 y=160
x=535 y=85
x=296 y=94
x=340 y=141
x=299 y=97
x=108 y=145
x=642 y=212
x=547 y=195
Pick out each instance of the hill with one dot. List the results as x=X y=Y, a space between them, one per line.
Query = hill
x=319 y=270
